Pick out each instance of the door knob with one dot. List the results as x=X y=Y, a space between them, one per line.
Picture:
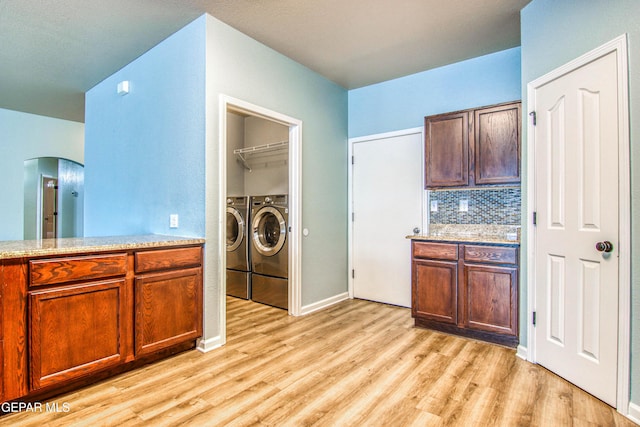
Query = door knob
x=605 y=246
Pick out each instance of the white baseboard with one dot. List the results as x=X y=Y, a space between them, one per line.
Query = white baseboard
x=205 y=346
x=634 y=413
x=522 y=352
x=307 y=309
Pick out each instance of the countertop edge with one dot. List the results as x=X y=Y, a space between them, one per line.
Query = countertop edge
x=44 y=247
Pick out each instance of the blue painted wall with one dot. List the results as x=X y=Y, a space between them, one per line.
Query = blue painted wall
x=402 y=103
x=144 y=152
x=555 y=32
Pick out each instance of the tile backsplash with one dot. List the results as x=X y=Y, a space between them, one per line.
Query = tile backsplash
x=485 y=206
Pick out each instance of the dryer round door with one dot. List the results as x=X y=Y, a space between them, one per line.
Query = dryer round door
x=235 y=229
x=269 y=231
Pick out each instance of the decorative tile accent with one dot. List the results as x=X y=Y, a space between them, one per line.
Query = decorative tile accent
x=485 y=206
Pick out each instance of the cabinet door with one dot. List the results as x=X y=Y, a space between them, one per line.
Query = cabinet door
x=434 y=293
x=168 y=309
x=76 y=330
x=490 y=298
x=447 y=150
x=497 y=144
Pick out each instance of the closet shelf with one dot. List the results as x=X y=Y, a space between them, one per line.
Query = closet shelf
x=243 y=153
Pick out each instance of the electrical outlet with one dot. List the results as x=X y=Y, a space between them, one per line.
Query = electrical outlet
x=464 y=205
x=173 y=221
x=434 y=206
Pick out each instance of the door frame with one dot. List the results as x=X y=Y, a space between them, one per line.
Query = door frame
x=619 y=46
x=375 y=137
x=228 y=103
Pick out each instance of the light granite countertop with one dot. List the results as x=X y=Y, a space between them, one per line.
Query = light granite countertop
x=31 y=248
x=471 y=233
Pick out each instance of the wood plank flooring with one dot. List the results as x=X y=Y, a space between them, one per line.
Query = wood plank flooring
x=357 y=363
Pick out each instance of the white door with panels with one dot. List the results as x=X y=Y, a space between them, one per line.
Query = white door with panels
x=576 y=137
x=387 y=206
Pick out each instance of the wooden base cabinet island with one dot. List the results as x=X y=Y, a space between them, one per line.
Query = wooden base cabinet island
x=466 y=289
x=78 y=310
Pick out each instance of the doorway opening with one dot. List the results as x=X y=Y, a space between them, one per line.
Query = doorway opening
x=48 y=212
x=270 y=168
x=53 y=198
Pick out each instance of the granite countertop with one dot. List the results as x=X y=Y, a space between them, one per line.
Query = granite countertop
x=471 y=233
x=27 y=248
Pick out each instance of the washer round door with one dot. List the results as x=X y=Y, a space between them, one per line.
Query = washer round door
x=269 y=231
x=235 y=229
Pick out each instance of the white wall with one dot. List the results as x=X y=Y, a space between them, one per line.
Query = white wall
x=269 y=171
x=26 y=136
x=235 y=140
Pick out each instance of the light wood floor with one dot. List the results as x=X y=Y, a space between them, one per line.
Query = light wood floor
x=355 y=364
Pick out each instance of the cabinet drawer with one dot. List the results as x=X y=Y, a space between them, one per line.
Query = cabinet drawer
x=491 y=254
x=61 y=270
x=168 y=258
x=447 y=251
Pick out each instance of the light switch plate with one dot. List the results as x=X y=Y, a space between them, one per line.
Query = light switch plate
x=434 y=206
x=173 y=221
x=464 y=205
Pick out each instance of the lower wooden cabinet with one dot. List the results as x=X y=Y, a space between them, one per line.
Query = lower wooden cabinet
x=489 y=295
x=435 y=295
x=470 y=290
x=76 y=330
x=168 y=309
x=81 y=316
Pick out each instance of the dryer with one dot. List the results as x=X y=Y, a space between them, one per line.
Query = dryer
x=238 y=252
x=270 y=250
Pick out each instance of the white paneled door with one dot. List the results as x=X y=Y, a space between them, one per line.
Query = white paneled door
x=387 y=205
x=576 y=203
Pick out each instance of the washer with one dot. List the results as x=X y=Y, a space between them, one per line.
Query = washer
x=270 y=250
x=238 y=252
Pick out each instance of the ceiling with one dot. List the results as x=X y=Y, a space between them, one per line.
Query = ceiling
x=53 y=51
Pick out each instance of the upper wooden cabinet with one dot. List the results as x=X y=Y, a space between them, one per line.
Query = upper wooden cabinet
x=447 y=150
x=473 y=147
x=497 y=144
